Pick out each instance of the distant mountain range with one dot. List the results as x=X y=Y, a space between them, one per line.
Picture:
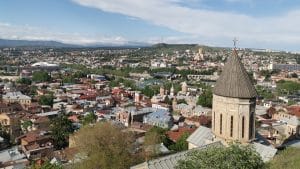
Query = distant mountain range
x=29 y=43
x=55 y=44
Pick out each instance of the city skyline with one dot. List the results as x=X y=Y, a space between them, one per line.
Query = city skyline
x=268 y=24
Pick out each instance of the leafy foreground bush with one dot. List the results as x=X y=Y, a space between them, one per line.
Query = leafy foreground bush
x=235 y=156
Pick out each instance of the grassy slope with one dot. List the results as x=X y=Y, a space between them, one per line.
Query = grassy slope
x=287 y=159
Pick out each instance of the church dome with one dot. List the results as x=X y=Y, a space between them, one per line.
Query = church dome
x=234 y=80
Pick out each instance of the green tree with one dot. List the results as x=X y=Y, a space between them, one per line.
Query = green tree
x=32 y=90
x=158 y=132
x=294 y=75
x=41 y=76
x=235 y=156
x=46 y=100
x=181 y=143
x=46 y=165
x=106 y=146
x=205 y=99
x=60 y=128
x=179 y=101
x=167 y=100
x=291 y=102
x=25 y=81
x=68 y=79
x=89 y=118
x=156 y=135
x=177 y=86
x=148 y=91
x=125 y=82
x=4 y=135
x=152 y=139
x=26 y=124
x=287 y=87
x=264 y=92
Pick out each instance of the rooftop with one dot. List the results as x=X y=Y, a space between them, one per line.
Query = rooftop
x=294 y=110
x=234 y=80
x=44 y=64
x=11 y=154
x=175 y=135
x=15 y=95
x=170 y=161
x=201 y=136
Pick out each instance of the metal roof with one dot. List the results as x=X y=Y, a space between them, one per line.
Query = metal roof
x=201 y=136
x=170 y=161
x=266 y=152
x=15 y=95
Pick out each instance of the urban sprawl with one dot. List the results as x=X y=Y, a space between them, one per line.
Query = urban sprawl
x=170 y=99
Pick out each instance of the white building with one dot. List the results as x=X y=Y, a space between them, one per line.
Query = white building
x=16 y=97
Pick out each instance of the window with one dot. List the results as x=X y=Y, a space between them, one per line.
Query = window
x=251 y=125
x=221 y=123
x=214 y=120
x=243 y=126
x=231 y=126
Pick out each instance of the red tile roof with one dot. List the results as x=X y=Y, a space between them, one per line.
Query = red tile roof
x=88 y=97
x=74 y=118
x=117 y=91
x=175 y=135
x=294 y=110
x=202 y=119
x=34 y=136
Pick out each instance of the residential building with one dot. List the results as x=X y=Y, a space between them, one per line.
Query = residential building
x=16 y=97
x=160 y=118
x=36 y=144
x=288 y=124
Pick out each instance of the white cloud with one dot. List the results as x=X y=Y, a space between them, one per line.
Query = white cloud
x=207 y=24
x=199 y=25
x=26 y=32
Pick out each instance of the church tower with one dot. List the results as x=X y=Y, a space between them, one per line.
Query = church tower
x=172 y=91
x=234 y=97
x=162 y=91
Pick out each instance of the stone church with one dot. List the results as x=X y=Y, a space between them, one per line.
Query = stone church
x=233 y=117
x=234 y=97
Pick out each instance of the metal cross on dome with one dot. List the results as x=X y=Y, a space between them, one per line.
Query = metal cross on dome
x=235 y=40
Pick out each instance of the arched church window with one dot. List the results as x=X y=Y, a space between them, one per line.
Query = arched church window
x=231 y=126
x=243 y=126
x=214 y=121
x=251 y=125
x=221 y=123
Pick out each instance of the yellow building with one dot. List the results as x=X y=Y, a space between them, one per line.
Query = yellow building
x=16 y=97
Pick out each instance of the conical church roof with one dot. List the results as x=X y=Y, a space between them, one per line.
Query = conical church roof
x=234 y=80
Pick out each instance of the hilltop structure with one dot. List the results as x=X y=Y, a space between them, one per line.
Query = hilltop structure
x=233 y=120
x=234 y=101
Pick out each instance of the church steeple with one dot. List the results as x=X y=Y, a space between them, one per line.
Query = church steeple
x=172 y=92
x=234 y=99
x=234 y=80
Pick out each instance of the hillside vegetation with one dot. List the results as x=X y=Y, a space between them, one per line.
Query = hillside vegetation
x=287 y=159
